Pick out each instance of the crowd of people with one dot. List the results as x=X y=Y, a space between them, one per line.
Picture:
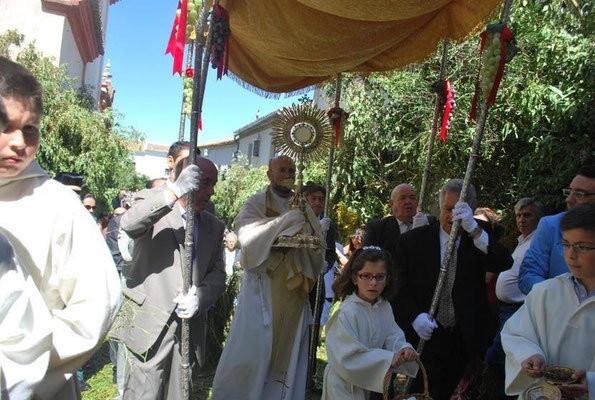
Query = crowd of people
x=65 y=285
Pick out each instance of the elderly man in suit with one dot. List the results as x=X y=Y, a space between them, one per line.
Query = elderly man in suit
x=458 y=333
x=150 y=322
x=385 y=232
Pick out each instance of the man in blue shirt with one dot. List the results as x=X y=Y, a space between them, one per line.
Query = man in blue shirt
x=544 y=259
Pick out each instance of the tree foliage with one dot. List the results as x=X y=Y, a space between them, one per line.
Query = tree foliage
x=235 y=186
x=74 y=136
x=538 y=134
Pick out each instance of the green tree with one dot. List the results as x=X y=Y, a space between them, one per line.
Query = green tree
x=74 y=136
x=538 y=134
x=235 y=186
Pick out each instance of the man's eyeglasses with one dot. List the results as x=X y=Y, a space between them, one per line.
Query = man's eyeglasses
x=88 y=207
x=368 y=277
x=578 y=248
x=579 y=194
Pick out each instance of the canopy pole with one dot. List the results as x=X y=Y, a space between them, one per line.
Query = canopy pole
x=437 y=112
x=456 y=226
x=315 y=331
x=182 y=113
x=197 y=97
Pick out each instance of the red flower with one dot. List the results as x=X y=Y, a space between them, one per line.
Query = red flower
x=190 y=72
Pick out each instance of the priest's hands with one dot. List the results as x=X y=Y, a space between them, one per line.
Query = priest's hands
x=533 y=366
x=187 y=303
x=463 y=212
x=424 y=326
x=404 y=355
x=578 y=388
x=420 y=219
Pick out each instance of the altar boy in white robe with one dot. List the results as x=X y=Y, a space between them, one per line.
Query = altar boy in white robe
x=555 y=325
x=265 y=355
x=61 y=253
x=363 y=340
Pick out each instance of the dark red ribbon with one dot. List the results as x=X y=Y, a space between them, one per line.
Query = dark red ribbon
x=505 y=37
x=223 y=64
x=335 y=115
x=448 y=94
x=177 y=40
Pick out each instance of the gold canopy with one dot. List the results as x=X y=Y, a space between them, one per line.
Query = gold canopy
x=282 y=46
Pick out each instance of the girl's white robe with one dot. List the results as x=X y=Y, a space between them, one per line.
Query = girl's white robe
x=553 y=324
x=361 y=340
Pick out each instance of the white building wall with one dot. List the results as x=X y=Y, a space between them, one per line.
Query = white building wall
x=28 y=18
x=94 y=70
x=53 y=37
x=152 y=164
x=221 y=155
x=70 y=56
x=266 y=151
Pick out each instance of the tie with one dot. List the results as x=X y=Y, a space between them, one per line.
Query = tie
x=446 y=309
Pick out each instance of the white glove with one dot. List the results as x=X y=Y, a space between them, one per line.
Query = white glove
x=188 y=181
x=463 y=212
x=424 y=326
x=187 y=304
x=420 y=219
x=325 y=224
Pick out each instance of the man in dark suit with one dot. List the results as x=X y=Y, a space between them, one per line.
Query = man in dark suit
x=458 y=333
x=385 y=232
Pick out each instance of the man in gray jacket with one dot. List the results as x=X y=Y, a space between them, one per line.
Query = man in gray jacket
x=150 y=321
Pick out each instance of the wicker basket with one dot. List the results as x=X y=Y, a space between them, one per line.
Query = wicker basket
x=419 y=396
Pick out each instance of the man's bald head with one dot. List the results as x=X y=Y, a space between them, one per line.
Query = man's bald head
x=281 y=175
x=403 y=202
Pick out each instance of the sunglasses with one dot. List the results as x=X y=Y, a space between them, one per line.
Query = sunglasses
x=88 y=207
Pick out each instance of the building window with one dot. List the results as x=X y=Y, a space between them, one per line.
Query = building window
x=256 y=148
x=250 y=148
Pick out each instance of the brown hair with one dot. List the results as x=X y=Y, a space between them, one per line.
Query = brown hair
x=344 y=285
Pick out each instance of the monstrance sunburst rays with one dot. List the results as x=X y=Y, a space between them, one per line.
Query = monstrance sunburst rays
x=302 y=130
x=303 y=133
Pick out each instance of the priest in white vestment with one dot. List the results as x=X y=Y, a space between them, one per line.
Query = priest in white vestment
x=265 y=355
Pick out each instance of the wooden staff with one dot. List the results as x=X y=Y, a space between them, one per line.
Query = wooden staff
x=315 y=331
x=456 y=226
x=437 y=112
x=197 y=97
x=182 y=113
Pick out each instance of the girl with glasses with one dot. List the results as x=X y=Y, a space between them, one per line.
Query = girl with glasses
x=362 y=338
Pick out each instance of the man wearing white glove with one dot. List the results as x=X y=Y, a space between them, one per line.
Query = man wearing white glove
x=149 y=323
x=266 y=351
x=457 y=332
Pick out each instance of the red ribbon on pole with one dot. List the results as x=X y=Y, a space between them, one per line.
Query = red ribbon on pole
x=449 y=103
x=336 y=115
x=505 y=37
x=177 y=39
x=220 y=44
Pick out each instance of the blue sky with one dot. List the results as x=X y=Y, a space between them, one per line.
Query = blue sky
x=146 y=92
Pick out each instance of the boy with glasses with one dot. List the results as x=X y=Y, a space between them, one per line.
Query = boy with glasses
x=544 y=258
x=555 y=325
